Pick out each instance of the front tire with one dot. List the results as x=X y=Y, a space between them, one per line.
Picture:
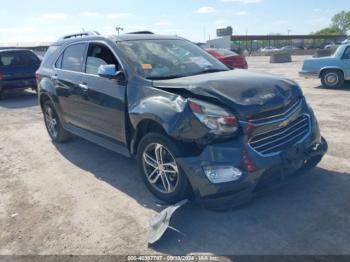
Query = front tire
x=332 y=79
x=156 y=156
x=53 y=125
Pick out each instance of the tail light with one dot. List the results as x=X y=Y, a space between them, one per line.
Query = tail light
x=1 y=77
x=37 y=76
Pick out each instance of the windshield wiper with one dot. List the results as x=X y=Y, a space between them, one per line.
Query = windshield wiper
x=212 y=70
x=164 y=77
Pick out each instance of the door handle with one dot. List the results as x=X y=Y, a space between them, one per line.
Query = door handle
x=84 y=86
x=54 y=77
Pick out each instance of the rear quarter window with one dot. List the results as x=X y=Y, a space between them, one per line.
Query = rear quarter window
x=50 y=55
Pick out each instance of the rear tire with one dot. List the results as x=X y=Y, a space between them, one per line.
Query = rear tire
x=332 y=79
x=156 y=157
x=53 y=125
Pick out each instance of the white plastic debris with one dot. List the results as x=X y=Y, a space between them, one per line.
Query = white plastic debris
x=14 y=215
x=159 y=223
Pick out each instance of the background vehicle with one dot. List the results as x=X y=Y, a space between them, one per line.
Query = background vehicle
x=331 y=70
x=290 y=48
x=196 y=128
x=17 y=69
x=269 y=49
x=229 y=58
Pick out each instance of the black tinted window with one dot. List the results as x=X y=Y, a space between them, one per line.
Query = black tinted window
x=18 y=58
x=30 y=58
x=98 y=55
x=73 y=58
x=58 y=63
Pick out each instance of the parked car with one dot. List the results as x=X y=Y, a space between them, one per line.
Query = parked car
x=229 y=58
x=332 y=70
x=332 y=45
x=197 y=129
x=290 y=48
x=268 y=49
x=17 y=69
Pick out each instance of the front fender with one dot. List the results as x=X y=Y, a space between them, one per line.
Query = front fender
x=172 y=113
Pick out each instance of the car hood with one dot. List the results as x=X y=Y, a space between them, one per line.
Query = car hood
x=246 y=93
x=319 y=62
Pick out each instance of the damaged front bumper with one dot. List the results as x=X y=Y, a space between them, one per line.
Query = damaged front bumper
x=267 y=169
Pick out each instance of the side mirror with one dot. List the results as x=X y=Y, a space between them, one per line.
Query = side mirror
x=109 y=71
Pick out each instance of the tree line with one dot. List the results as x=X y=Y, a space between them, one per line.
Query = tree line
x=340 y=25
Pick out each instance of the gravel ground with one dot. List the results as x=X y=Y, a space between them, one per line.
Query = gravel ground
x=79 y=198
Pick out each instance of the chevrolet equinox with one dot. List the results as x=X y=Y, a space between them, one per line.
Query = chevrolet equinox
x=196 y=128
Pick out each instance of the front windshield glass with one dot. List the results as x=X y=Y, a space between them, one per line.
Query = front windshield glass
x=166 y=59
x=339 y=51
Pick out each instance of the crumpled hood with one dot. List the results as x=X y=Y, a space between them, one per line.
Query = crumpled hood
x=246 y=93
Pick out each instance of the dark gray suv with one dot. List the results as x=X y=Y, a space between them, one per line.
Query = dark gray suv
x=196 y=128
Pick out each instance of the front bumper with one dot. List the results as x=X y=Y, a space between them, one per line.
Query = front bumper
x=309 y=74
x=230 y=153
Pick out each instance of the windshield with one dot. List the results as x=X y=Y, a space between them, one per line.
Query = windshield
x=166 y=59
x=339 y=51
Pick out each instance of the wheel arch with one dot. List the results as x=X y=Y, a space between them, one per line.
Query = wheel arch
x=43 y=98
x=142 y=128
x=330 y=68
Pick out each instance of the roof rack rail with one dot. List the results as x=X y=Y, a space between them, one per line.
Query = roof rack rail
x=141 y=32
x=82 y=34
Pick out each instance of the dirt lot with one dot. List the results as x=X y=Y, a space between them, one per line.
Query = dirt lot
x=79 y=198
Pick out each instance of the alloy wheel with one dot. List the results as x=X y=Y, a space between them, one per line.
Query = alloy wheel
x=160 y=168
x=51 y=122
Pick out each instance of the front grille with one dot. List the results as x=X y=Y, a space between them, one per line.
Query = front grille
x=277 y=113
x=281 y=138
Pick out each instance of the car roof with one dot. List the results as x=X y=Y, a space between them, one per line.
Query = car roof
x=120 y=38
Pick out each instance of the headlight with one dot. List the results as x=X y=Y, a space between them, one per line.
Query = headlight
x=217 y=119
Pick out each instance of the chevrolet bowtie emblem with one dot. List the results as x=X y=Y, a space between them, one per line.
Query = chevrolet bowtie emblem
x=284 y=123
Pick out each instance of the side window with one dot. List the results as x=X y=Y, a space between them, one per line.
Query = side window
x=99 y=54
x=48 y=57
x=73 y=58
x=346 y=54
x=29 y=58
x=58 y=63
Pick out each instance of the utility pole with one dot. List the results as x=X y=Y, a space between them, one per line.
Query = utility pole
x=290 y=41
x=118 y=28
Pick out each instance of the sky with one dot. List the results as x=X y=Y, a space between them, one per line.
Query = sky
x=196 y=20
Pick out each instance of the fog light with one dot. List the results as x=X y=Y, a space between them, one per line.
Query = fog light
x=222 y=174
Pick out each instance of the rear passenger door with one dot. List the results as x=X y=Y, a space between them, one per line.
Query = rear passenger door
x=105 y=98
x=67 y=78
